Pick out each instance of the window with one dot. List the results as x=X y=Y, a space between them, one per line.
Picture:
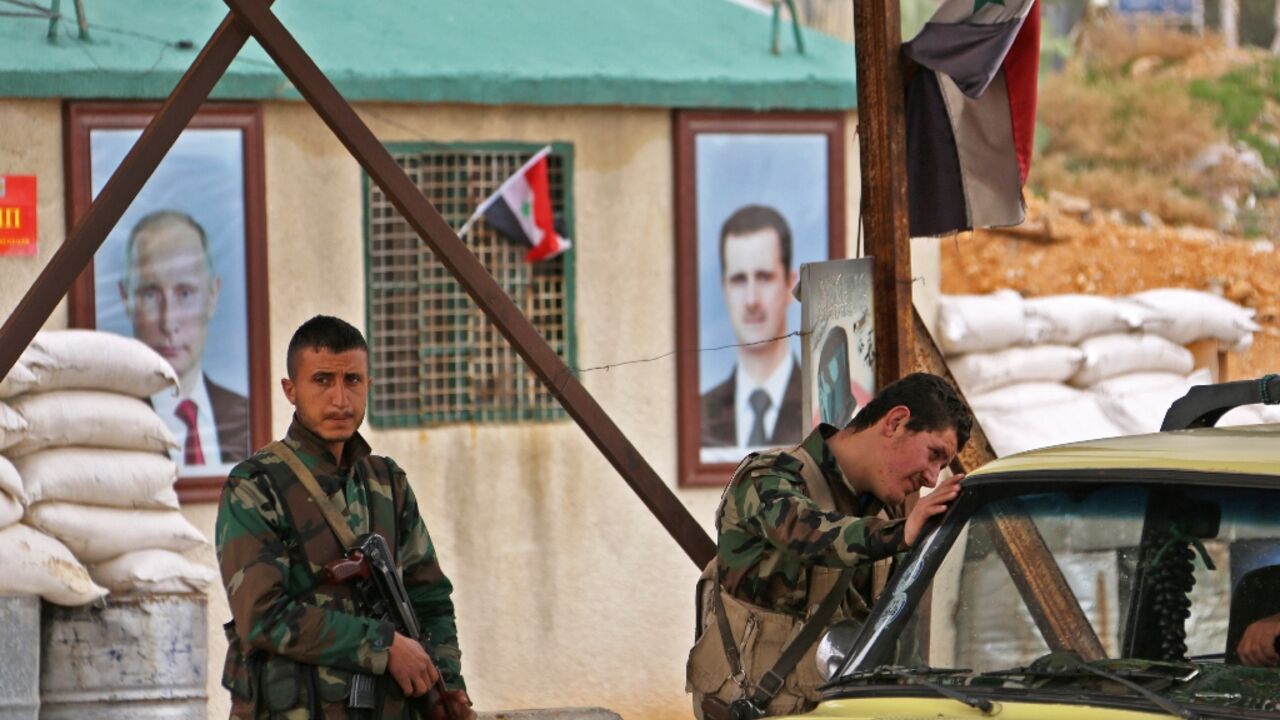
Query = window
x=435 y=356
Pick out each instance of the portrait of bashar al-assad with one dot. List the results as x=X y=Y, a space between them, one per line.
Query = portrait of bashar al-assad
x=759 y=403
x=170 y=293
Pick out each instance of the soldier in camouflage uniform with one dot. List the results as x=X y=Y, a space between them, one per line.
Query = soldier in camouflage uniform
x=792 y=519
x=295 y=640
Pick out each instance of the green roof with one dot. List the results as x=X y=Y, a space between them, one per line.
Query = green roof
x=663 y=53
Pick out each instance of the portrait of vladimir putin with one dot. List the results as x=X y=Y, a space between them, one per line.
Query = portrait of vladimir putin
x=170 y=293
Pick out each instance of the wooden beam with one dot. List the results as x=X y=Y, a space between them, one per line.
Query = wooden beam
x=472 y=276
x=882 y=143
x=121 y=189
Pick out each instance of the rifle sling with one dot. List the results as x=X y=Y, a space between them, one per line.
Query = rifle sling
x=332 y=515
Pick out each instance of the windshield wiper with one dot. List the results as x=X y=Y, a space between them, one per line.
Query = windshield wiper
x=915 y=676
x=1122 y=677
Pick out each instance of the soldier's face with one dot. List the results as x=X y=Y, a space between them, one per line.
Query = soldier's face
x=329 y=392
x=757 y=286
x=171 y=294
x=910 y=460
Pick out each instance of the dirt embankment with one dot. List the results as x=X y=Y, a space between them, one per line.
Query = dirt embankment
x=1068 y=247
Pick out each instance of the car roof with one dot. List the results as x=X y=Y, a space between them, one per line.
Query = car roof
x=1242 y=450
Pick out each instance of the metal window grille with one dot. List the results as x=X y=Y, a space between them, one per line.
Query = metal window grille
x=434 y=356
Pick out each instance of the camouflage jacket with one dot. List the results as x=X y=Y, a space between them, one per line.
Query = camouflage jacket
x=770 y=532
x=295 y=641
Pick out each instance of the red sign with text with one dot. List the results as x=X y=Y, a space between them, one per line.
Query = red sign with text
x=17 y=214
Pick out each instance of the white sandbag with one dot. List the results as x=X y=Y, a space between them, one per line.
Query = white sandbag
x=1250 y=415
x=11 y=481
x=18 y=381
x=12 y=427
x=99 y=476
x=1107 y=356
x=1068 y=319
x=95 y=534
x=979 y=323
x=36 y=564
x=1022 y=395
x=88 y=418
x=93 y=360
x=1016 y=429
x=980 y=372
x=1138 y=404
x=1140 y=381
x=1199 y=315
x=152 y=571
x=10 y=510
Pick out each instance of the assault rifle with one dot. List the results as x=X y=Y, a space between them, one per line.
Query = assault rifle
x=370 y=564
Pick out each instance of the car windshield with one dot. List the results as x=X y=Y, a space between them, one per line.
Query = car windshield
x=1156 y=579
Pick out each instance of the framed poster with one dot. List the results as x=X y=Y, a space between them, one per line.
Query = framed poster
x=757 y=196
x=185 y=272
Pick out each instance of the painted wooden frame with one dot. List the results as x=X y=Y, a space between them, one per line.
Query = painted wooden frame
x=729 y=165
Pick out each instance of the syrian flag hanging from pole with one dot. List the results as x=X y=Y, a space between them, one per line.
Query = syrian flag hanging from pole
x=971 y=115
x=521 y=210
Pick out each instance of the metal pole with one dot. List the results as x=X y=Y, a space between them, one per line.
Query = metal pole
x=105 y=211
x=479 y=284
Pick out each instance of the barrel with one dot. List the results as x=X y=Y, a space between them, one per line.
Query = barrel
x=140 y=657
x=19 y=657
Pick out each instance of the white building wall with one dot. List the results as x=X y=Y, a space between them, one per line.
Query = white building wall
x=568 y=591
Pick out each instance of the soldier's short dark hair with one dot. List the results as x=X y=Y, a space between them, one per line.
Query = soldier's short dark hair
x=752 y=218
x=323 y=332
x=933 y=403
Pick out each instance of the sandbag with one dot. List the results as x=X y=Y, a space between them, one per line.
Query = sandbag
x=1107 y=356
x=93 y=360
x=10 y=510
x=1021 y=395
x=13 y=427
x=152 y=571
x=1198 y=315
x=1077 y=416
x=980 y=323
x=11 y=481
x=99 y=476
x=18 y=381
x=36 y=564
x=980 y=372
x=95 y=534
x=1069 y=319
x=1138 y=404
x=88 y=418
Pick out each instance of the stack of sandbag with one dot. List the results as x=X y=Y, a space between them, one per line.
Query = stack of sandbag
x=92 y=458
x=1055 y=369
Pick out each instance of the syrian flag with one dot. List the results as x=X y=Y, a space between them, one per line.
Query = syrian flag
x=971 y=115
x=521 y=210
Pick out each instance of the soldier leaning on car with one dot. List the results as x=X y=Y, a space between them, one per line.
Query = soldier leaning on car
x=296 y=641
x=791 y=520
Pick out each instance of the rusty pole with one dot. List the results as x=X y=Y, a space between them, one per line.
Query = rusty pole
x=882 y=140
x=479 y=284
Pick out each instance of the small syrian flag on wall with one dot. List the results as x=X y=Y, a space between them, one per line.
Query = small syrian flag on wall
x=971 y=115
x=521 y=210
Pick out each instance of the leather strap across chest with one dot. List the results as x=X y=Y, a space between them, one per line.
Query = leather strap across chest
x=332 y=515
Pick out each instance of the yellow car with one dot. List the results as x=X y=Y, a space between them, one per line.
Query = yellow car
x=1106 y=579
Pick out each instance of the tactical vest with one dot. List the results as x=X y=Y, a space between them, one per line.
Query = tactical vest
x=273 y=686
x=761 y=634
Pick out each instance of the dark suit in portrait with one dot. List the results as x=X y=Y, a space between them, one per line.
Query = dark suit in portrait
x=719 y=415
x=231 y=416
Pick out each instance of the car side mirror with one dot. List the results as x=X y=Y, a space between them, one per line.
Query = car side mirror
x=834 y=647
